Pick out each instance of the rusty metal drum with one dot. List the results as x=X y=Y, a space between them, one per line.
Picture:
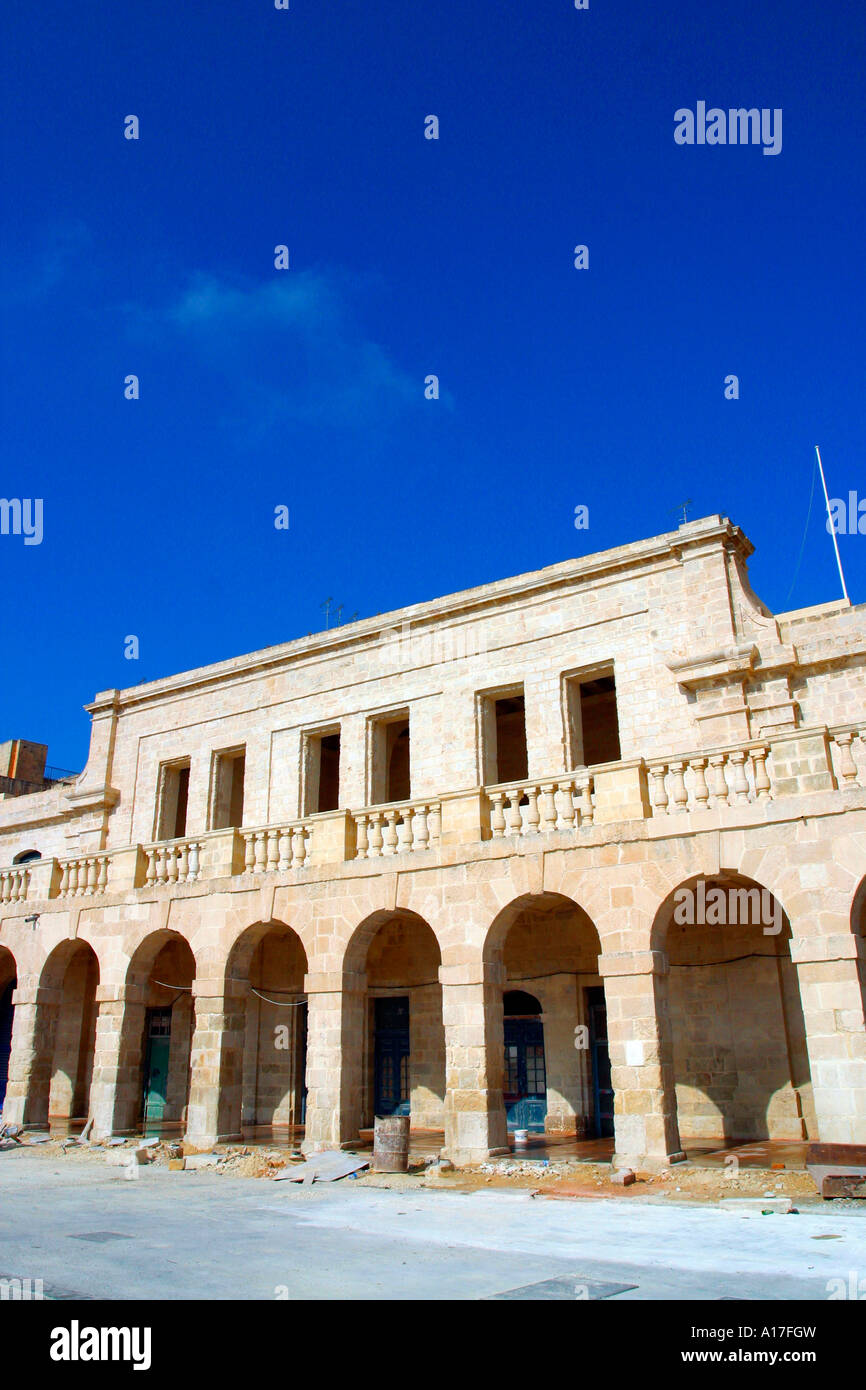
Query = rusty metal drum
x=391 y=1144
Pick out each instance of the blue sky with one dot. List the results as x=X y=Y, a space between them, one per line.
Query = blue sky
x=409 y=256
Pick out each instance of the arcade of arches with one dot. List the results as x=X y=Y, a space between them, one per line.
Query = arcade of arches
x=732 y=1032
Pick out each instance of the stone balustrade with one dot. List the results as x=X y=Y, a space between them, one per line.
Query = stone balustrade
x=404 y=828
x=13 y=884
x=843 y=743
x=756 y=772
x=717 y=777
x=172 y=861
x=276 y=848
x=84 y=876
x=541 y=806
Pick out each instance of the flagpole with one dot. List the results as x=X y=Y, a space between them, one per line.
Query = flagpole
x=832 y=527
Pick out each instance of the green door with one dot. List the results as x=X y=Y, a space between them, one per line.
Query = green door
x=156 y=1068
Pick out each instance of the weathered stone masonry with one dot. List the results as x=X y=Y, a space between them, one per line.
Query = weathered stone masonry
x=422 y=859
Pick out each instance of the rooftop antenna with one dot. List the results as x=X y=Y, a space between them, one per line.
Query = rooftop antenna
x=831 y=527
x=327 y=607
x=340 y=607
x=683 y=507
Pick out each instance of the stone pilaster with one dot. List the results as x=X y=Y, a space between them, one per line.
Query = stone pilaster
x=105 y=1082
x=641 y=1056
x=216 y=1061
x=25 y=1071
x=474 y=1061
x=335 y=1059
x=832 y=974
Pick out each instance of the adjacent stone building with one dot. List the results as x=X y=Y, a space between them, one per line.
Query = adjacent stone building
x=581 y=851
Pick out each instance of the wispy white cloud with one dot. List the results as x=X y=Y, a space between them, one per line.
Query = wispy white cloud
x=288 y=349
x=34 y=276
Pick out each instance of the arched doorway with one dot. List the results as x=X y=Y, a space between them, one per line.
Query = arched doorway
x=403 y=1064
x=264 y=1054
x=153 y=1070
x=741 y=1065
x=65 y=1037
x=8 y=983
x=554 y=1036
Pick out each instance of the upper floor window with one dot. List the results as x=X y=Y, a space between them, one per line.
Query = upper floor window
x=592 y=721
x=27 y=856
x=172 y=798
x=227 y=789
x=390 y=760
x=321 y=771
x=502 y=730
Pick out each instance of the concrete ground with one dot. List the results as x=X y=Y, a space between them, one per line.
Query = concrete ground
x=89 y=1232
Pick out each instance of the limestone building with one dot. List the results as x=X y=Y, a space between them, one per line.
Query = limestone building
x=581 y=851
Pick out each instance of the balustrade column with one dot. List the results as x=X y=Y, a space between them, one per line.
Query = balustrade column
x=740 y=781
x=847 y=765
x=548 y=808
x=515 y=822
x=719 y=781
x=701 y=791
x=497 y=815
x=679 y=795
x=762 y=778
x=568 y=815
x=659 y=791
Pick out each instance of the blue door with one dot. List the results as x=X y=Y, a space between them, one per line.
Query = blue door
x=525 y=1077
x=156 y=1068
x=6 y=1011
x=391 y=1056
x=602 y=1087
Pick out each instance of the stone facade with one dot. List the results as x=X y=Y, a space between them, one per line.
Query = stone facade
x=534 y=780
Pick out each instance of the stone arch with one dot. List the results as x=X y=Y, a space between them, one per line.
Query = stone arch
x=65 y=1036
x=156 y=1035
x=391 y=966
x=27 y=856
x=556 y=1073
x=8 y=982
x=264 y=1047
x=737 y=1031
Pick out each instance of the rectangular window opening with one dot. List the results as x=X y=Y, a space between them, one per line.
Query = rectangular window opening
x=391 y=774
x=512 y=764
x=593 y=719
x=171 y=823
x=503 y=737
x=227 y=805
x=321 y=772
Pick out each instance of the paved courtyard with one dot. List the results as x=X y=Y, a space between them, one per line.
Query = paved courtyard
x=89 y=1232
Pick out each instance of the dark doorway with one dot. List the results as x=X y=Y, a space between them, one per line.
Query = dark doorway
x=158 y=1032
x=391 y=1056
x=602 y=1089
x=303 y=1016
x=7 y=1011
x=525 y=1088
x=511 y=757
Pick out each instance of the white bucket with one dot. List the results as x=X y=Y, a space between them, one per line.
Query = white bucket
x=521 y=1137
